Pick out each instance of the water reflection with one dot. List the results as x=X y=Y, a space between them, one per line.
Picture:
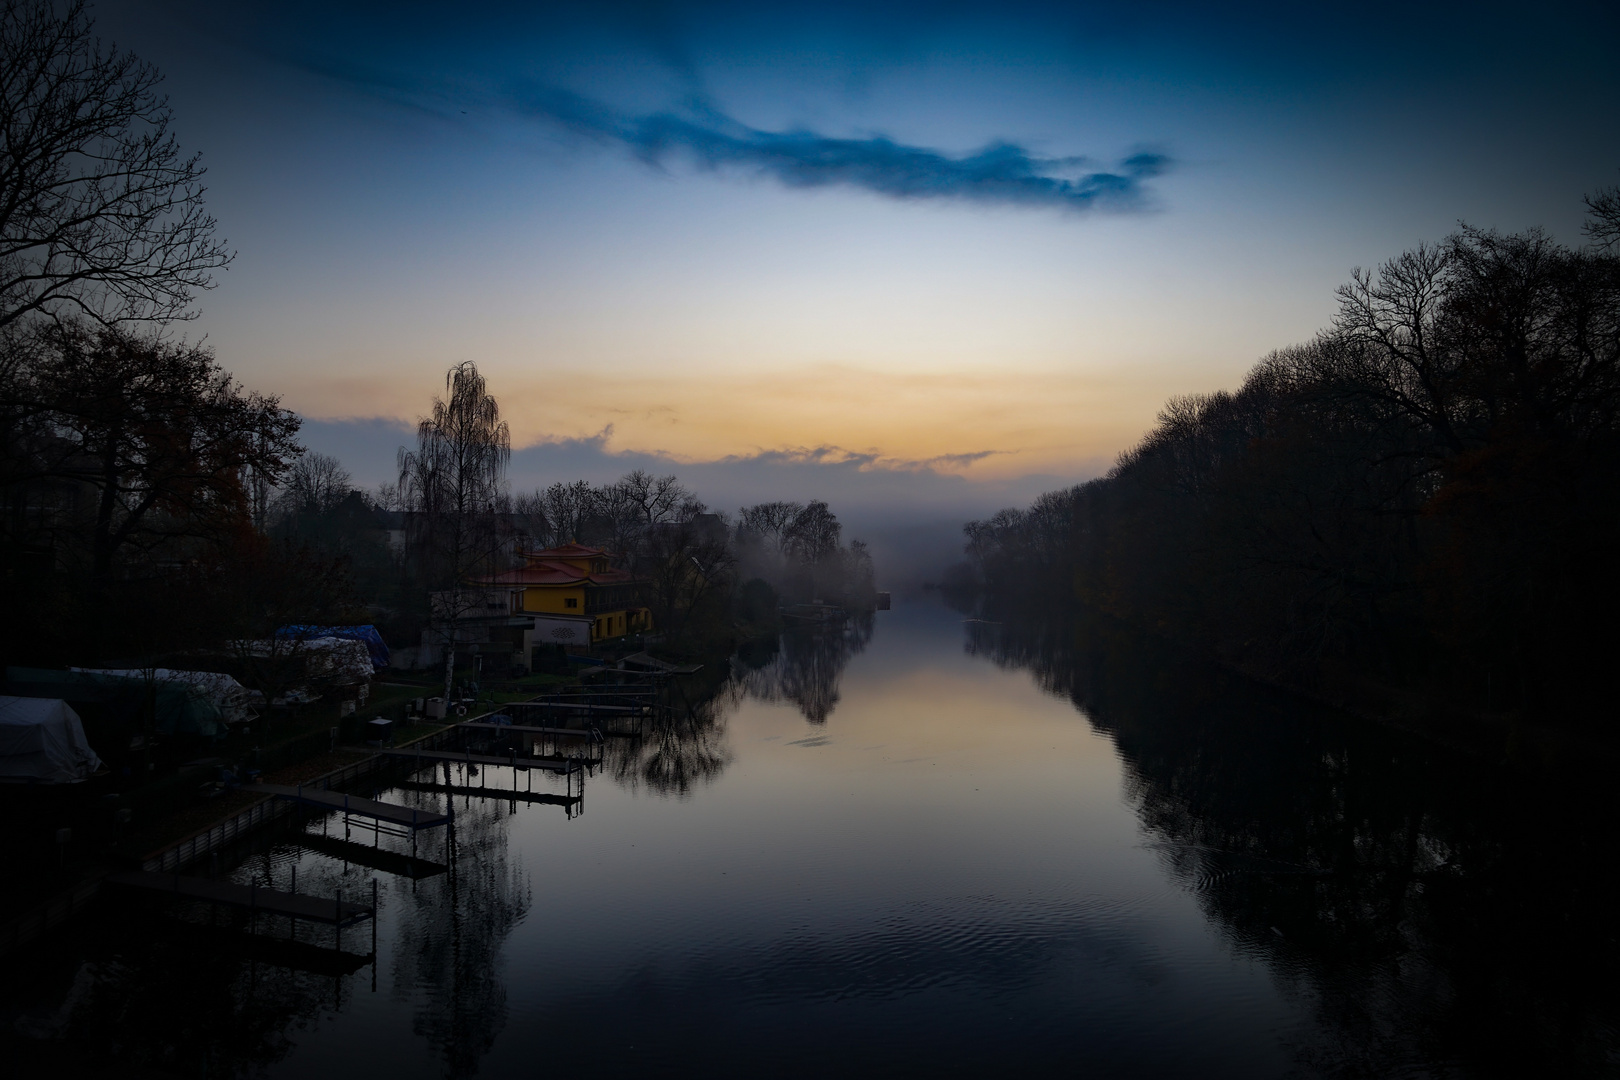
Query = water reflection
x=1445 y=914
x=683 y=746
x=184 y=990
x=806 y=670
x=679 y=748
x=449 y=938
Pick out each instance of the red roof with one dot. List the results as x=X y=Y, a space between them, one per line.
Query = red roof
x=567 y=551
x=539 y=574
x=556 y=573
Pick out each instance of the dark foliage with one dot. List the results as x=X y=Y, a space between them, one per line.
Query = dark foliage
x=125 y=468
x=1417 y=505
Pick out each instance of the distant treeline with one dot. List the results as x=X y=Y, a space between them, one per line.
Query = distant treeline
x=1418 y=505
x=150 y=504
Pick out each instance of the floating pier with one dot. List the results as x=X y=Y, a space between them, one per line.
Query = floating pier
x=543 y=797
x=513 y=761
x=391 y=814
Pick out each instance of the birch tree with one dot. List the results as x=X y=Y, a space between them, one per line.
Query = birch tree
x=454 y=486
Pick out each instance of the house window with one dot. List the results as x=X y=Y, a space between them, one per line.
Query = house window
x=572 y=601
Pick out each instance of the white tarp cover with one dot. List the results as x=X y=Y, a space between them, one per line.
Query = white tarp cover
x=42 y=740
x=234 y=701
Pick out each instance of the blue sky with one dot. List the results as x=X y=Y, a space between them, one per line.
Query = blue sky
x=939 y=255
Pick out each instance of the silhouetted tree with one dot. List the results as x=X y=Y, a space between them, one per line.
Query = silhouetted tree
x=101 y=215
x=157 y=435
x=454 y=482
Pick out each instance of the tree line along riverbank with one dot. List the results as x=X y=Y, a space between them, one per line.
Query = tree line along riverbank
x=1413 y=514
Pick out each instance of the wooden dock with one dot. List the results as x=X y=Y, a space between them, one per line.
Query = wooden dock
x=512 y=761
x=506 y=794
x=404 y=817
x=317 y=909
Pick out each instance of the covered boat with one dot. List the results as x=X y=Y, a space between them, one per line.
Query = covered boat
x=42 y=742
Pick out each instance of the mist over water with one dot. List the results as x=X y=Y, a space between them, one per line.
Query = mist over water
x=919 y=845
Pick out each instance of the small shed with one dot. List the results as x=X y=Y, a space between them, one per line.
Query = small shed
x=42 y=742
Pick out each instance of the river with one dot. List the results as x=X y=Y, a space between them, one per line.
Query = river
x=932 y=846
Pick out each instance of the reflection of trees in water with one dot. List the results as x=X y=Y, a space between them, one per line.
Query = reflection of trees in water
x=1447 y=915
x=684 y=747
x=190 y=1000
x=681 y=748
x=449 y=939
x=806 y=670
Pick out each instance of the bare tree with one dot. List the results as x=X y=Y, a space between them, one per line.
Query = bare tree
x=529 y=522
x=315 y=483
x=100 y=213
x=566 y=508
x=1603 y=227
x=768 y=523
x=455 y=482
x=657 y=499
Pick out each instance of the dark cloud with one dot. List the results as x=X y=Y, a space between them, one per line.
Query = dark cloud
x=706 y=138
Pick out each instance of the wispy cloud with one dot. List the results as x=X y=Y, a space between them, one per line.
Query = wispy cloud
x=706 y=138
x=827 y=455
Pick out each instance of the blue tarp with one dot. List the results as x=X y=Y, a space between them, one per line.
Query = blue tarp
x=368 y=634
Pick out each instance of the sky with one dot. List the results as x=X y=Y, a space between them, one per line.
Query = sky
x=919 y=260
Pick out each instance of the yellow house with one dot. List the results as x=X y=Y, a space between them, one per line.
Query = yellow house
x=577 y=582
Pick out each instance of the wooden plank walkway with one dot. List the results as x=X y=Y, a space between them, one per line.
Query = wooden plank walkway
x=543 y=797
x=515 y=761
x=407 y=817
x=333 y=912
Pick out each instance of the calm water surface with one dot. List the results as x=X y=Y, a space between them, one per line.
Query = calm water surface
x=925 y=845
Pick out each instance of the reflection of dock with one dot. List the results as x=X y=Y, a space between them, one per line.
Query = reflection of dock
x=513 y=761
x=543 y=797
x=389 y=862
x=334 y=912
x=404 y=817
x=280 y=952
